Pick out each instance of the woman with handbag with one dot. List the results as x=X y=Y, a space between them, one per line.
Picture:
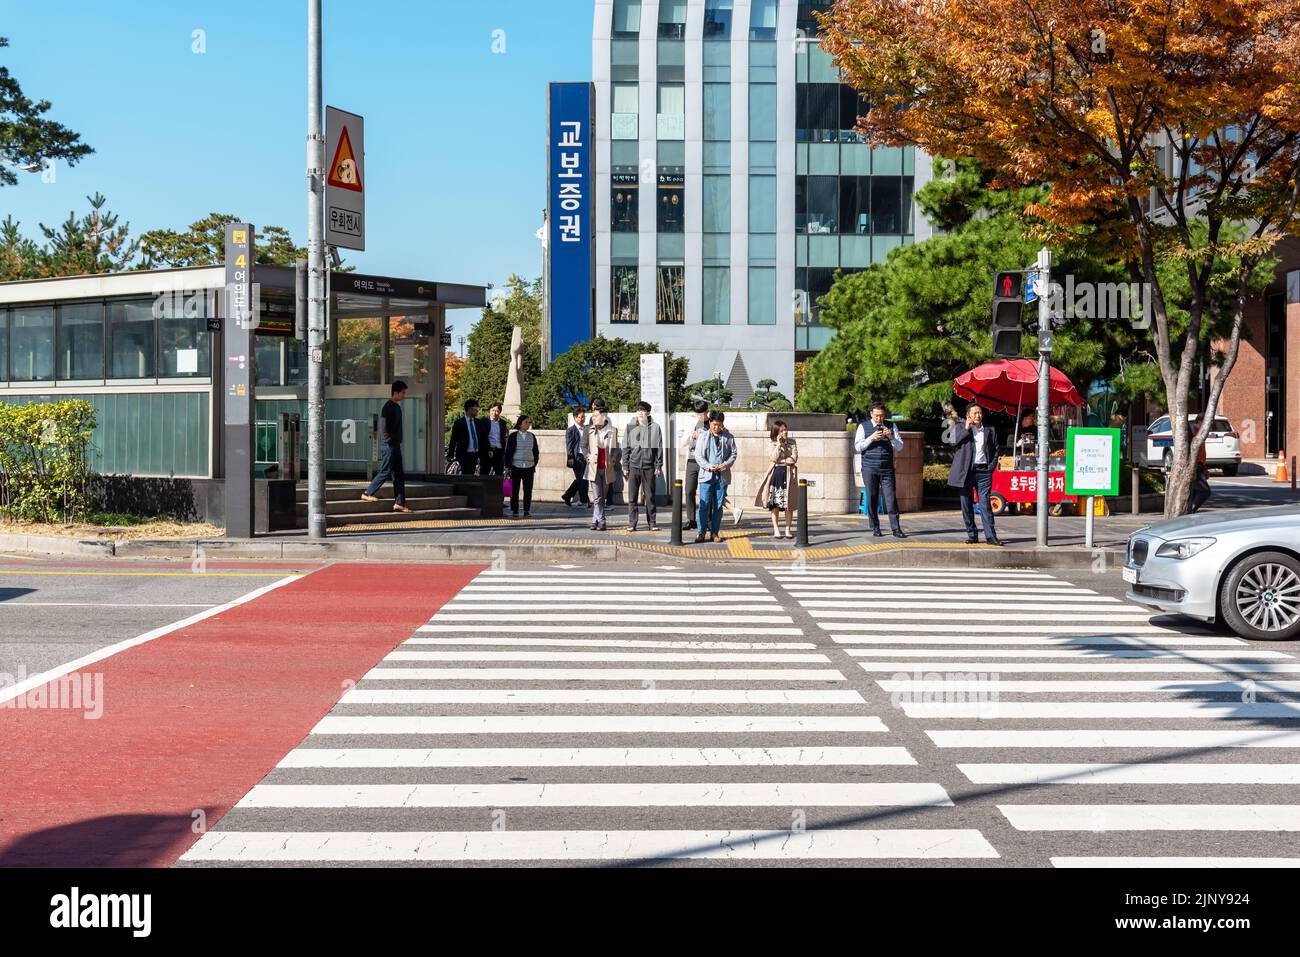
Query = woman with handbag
x=521 y=462
x=602 y=465
x=776 y=493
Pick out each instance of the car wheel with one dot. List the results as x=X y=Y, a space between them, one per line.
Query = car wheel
x=1168 y=463
x=1230 y=470
x=997 y=504
x=1260 y=597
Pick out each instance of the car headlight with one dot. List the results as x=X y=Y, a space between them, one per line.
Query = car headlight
x=1184 y=548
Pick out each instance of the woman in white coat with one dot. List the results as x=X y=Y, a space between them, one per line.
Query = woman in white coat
x=602 y=465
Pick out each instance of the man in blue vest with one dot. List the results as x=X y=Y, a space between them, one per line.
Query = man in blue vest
x=876 y=442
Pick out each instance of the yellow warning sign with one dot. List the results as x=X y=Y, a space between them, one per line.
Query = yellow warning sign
x=345 y=173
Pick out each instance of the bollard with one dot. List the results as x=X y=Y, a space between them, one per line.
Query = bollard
x=1137 y=490
x=676 y=537
x=1293 y=473
x=801 y=539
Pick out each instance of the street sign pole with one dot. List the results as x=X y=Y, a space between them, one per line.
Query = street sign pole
x=315 y=279
x=1044 y=386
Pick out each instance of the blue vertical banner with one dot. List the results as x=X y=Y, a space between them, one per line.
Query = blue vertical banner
x=570 y=242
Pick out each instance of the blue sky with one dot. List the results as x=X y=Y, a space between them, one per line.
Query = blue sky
x=455 y=133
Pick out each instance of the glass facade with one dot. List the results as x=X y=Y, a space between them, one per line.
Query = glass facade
x=81 y=341
x=624 y=199
x=670 y=304
x=624 y=293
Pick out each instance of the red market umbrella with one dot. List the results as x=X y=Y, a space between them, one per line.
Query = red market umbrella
x=1007 y=385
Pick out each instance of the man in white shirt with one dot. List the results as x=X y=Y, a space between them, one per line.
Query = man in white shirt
x=876 y=442
x=494 y=447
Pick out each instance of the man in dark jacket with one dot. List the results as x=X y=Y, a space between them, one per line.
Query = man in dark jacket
x=974 y=460
x=575 y=456
x=468 y=437
x=876 y=441
x=390 y=451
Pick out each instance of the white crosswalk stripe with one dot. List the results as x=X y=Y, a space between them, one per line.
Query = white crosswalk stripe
x=608 y=716
x=1002 y=670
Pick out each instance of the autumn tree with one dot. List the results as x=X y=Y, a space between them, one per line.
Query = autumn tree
x=1166 y=133
x=453 y=366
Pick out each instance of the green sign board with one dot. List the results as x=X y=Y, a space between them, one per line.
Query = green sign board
x=1092 y=462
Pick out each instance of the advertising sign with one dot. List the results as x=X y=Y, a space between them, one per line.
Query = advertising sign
x=570 y=241
x=1092 y=461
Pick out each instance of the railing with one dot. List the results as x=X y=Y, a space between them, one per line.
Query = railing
x=347 y=444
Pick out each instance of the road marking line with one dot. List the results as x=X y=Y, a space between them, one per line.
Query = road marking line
x=648 y=697
x=1162 y=773
x=808 y=756
x=552 y=614
x=1134 y=652
x=603 y=674
x=1118 y=686
x=596 y=724
x=589 y=794
x=1101 y=667
x=1208 y=710
x=150 y=574
x=1152 y=817
x=38 y=680
x=1117 y=738
x=601 y=656
x=615 y=643
x=737 y=844
x=1123 y=863
x=1128 y=638
x=18 y=602
x=462 y=627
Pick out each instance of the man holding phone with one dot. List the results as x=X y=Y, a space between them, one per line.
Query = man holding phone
x=876 y=442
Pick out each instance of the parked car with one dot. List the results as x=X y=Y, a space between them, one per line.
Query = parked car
x=1241 y=566
x=1222 y=445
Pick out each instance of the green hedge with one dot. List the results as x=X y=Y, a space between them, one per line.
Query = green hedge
x=44 y=461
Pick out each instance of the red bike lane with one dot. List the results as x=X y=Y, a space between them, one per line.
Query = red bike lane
x=193 y=719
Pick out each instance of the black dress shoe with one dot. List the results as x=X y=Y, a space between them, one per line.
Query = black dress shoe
x=877 y=533
x=972 y=540
x=993 y=541
x=699 y=539
x=900 y=534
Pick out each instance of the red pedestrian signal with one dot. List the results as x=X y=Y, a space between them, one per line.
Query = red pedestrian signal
x=1008 y=304
x=1007 y=285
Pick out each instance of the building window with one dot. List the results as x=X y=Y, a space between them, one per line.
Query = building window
x=131 y=339
x=624 y=199
x=624 y=110
x=624 y=290
x=762 y=20
x=672 y=111
x=717 y=111
x=817 y=112
x=670 y=300
x=627 y=18
x=717 y=20
x=672 y=19
x=31 y=344
x=359 y=342
x=762 y=204
x=717 y=204
x=81 y=341
x=671 y=204
x=886 y=205
x=852 y=105
x=184 y=347
x=716 y=296
x=816 y=204
x=907 y=205
x=4 y=345
x=762 y=296
x=855 y=204
x=762 y=112
x=808 y=23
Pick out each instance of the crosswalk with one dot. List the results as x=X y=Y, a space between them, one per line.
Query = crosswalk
x=598 y=715
x=1097 y=732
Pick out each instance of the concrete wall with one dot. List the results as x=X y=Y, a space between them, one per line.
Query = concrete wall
x=826 y=458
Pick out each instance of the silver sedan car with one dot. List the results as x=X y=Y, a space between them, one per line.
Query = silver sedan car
x=1239 y=565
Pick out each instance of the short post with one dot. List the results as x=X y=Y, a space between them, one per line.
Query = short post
x=801 y=539
x=1293 y=473
x=676 y=537
x=1137 y=490
x=1087 y=521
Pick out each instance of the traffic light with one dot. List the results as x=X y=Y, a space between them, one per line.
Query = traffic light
x=1008 y=301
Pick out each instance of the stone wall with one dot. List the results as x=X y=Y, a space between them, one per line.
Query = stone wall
x=826 y=460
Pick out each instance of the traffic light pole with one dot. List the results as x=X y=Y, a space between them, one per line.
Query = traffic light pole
x=1044 y=387
x=315 y=279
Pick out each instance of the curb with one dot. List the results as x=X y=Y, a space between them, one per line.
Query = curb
x=1063 y=556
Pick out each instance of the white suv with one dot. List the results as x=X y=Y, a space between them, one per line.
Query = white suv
x=1222 y=445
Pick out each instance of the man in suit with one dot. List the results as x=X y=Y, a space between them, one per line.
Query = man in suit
x=575 y=456
x=690 y=438
x=876 y=442
x=974 y=460
x=467 y=439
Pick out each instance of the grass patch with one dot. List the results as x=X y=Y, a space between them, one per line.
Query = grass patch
x=134 y=528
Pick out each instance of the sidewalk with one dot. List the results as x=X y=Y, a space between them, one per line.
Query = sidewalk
x=558 y=535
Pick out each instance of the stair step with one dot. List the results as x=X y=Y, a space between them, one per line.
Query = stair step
x=382 y=518
x=347 y=493
x=385 y=506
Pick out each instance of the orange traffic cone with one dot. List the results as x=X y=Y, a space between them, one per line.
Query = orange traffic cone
x=1281 y=475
